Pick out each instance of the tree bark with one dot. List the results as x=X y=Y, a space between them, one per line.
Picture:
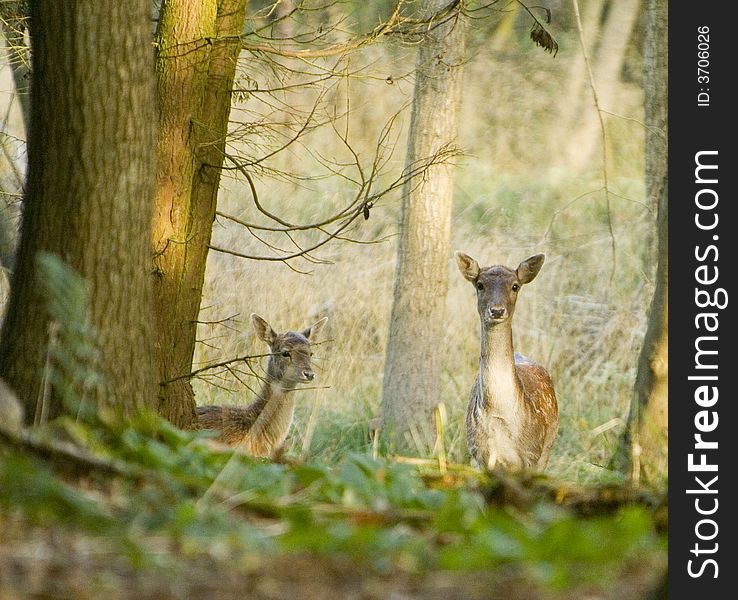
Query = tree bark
x=607 y=63
x=644 y=443
x=412 y=368
x=577 y=92
x=88 y=195
x=195 y=76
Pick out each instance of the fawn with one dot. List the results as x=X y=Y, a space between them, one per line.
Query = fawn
x=513 y=417
x=261 y=428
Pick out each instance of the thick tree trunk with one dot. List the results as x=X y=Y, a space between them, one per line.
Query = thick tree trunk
x=412 y=368
x=88 y=195
x=644 y=443
x=195 y=75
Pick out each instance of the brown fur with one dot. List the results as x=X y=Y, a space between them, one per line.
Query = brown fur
x=512 y=419
x=261 y=428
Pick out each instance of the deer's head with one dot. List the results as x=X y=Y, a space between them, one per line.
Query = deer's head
x=498 y=286
x=290 y=359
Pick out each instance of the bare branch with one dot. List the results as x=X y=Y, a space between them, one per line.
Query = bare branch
x=395 y=24
x=210 y=367
x=596 y=100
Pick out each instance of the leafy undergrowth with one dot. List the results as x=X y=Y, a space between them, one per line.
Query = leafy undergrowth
x=148 y=509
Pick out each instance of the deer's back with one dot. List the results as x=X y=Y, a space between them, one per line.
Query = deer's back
x=258 y=430
x=232 y=422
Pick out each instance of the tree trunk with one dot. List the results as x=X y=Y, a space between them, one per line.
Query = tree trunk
x=417 y=325
x=577 y=92
x=88 y=195
x=195 y=77
x=645 y=440
x=607 y=63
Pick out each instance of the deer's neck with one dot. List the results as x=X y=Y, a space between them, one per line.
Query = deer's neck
x=500 y=386
x=274 y=407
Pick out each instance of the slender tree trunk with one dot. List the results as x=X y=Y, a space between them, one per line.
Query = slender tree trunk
x=607 y=63
x=195 y=76
x=645 y=440
x=412 y=369
x=88 y=194
x=576 y=93
x=285 y=29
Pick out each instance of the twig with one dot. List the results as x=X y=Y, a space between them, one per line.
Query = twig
x=217 y=365
x=575 y=4
x=393 y=25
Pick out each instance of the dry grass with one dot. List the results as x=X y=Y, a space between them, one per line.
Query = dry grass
x=586 y=329
x=583 y=318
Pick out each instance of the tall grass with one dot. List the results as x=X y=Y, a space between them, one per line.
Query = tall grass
x=583 y=317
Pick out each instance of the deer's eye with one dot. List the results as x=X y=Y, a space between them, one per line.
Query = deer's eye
x=285 y=353
x=515 y=287
x=480 y=286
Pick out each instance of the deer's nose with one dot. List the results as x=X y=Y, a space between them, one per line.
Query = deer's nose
x=496 y=312
x=309 y=375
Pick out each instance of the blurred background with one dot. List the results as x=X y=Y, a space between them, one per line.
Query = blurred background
x=534 y=173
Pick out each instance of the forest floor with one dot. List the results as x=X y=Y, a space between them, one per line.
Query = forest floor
x=57 y=563
x=103 y=510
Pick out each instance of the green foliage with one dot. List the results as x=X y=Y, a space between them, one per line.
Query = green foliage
x=72 y=354
x=30 y=486
x=515 y=195
x=148 y=482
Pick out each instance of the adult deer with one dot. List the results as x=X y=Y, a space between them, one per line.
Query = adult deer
x=512 y=418
x=261 y=428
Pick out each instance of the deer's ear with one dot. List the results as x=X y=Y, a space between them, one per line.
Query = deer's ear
x=468 y=266
x=311 y=333
x=528 y=269
x=263 y=330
